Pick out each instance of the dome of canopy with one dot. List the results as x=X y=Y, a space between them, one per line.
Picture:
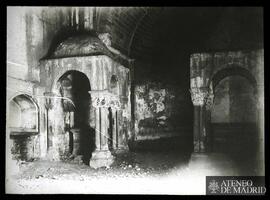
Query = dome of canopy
x=80 y=45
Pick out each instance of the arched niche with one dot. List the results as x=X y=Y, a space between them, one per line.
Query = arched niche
x=233 y=114
x=23 y=114
x=239 y=81
x=23 y=126
x=114 y=85
x=234 y=101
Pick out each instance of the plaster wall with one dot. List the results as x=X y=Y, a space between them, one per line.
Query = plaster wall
x=161 y=111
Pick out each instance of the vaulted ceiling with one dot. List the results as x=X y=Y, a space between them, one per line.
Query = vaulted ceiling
x=144 y=32
x=160 y=39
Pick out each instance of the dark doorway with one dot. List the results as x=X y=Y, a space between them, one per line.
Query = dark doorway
x=110 y=130
x=75 y=86
x=233 y=116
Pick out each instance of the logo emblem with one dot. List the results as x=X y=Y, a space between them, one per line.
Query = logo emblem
x=213 y=186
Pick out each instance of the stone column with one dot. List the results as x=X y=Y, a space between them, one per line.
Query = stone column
x=104 y=129
x=51 y=123
x=101 y=157
x=208 y=108
x=98 y=128
x=114 y=126
x=198 y=96
x=260 y=129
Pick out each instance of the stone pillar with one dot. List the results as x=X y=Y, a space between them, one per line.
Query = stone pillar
x=260 y=129
x=101 y=157
x=98 y=128
x=114 y=131
x=51 y=123
x=198 y=96
x=208 y=108
x=39 y=91
x=104 y=129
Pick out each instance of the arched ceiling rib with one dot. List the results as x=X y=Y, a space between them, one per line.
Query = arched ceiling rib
x=140 y=31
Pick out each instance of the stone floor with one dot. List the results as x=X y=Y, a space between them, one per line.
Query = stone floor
x=131 y=173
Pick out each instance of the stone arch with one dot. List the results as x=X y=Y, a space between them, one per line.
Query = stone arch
x=78 y=122
x=232 y=70
x=26 y=101
x=114 y=85
x=29 y=95
x=231 y=125
x=55 y=85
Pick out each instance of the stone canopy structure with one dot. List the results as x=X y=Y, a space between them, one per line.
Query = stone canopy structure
x=90 y=56
x=88 y=60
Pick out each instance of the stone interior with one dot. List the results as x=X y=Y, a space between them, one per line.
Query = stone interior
x=133 y=92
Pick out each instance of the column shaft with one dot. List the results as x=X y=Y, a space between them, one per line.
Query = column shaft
x=199 y=129
x=114 y=129
x=104 y=129
x=202 y=129
x=97 y=137
x=196 y=129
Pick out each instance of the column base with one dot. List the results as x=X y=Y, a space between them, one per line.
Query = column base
x=120 y=150
x=53 y=155
x=101 y=158
x=199 y=147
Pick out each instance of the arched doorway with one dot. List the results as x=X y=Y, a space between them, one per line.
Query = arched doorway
x=75 y=87
x=233 y=115
x=23 y=125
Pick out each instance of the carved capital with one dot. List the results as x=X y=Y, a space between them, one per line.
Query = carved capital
x=105 y=99
x=105 y=38
x=198 y=96
x=49 y=100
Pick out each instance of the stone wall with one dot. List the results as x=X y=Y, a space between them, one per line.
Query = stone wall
x=161 y=111
x=234 y=104
x=25 y=147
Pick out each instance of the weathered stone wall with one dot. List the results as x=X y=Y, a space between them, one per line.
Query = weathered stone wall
x=208 y=69
x=161 y=111
x=25 y=147
x=23 y=126
x=29 y=35
x=238 y=104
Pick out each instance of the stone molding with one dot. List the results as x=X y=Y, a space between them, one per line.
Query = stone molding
x=105 y=99
x=202 y=96
x=209 y=100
